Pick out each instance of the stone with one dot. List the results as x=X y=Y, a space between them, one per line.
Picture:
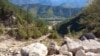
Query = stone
x=80 y=53
x=53 y=48
x=91 y=45
x=33 y=54
x=35 y=49
x=71 y=45
x=64 y=49
x=74 y=46
x=92 y=54
x=67 y=39
x=88 y=36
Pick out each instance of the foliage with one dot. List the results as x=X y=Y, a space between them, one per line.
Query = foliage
x=54 y=35
x=22 y=33
x=26 y=25
x=88 y=20
x=92 y=17
x=1 y=31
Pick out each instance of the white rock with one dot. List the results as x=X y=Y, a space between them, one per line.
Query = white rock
x=74 y=46
x=91 y=45
x=67 y=39
x=64 y=49
x=35 y=49
x=80 y=53
x=92 y=54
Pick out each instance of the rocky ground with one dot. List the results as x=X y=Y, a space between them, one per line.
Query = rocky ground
x=11 y=47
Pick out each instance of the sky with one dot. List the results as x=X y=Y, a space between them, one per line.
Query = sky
x=74 y=3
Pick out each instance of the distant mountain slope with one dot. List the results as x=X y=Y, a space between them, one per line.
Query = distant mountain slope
x=26 y=26
x=88 y=20
x=51 y=8
x=74 y=3
x=44 y=11
x=71 y=25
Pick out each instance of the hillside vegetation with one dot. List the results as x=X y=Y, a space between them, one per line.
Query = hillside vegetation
x=26 y=25
x=86 y=21
x=47 y=11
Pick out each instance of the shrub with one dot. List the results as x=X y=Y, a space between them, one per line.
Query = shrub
x=44 y=30
x=36 y=34
x=22 y=33
x=54 y=35
x=1 y=31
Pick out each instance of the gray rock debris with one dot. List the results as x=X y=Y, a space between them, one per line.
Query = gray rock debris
x=35 y=49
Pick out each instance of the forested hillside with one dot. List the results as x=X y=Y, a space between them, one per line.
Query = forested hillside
x=25 y=25
x=87 y=21
x=47 y=11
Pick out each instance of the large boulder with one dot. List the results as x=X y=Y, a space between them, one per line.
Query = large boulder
x=74 y=46
x=35 y=49
x=87 y=36
x=70 y=45
x=80 y=53
x=91 y=46
x=64 y=50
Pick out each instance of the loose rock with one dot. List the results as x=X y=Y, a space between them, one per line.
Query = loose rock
x=35 y=49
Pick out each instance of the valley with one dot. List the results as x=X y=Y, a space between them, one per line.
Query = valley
x=49 y=28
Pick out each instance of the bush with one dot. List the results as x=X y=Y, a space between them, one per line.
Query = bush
x=1 y=31
x=44 y=30
x=22 y=33
x=54 y=35
x=29 y=32
x=36 y=34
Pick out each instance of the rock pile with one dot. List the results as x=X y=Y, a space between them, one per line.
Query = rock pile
x=88 y=47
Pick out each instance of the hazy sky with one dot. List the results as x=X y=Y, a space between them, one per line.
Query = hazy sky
x=75 y=3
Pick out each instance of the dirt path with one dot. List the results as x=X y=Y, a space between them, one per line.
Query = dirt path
x=8 y=42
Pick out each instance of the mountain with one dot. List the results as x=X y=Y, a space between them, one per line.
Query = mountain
x=51 y=8
x=11 y=16
x=75 y=3
x=86 y=21
x=44 y=11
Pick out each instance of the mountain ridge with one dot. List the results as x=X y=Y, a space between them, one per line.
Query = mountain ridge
x=75 y=3
x=44 y=11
